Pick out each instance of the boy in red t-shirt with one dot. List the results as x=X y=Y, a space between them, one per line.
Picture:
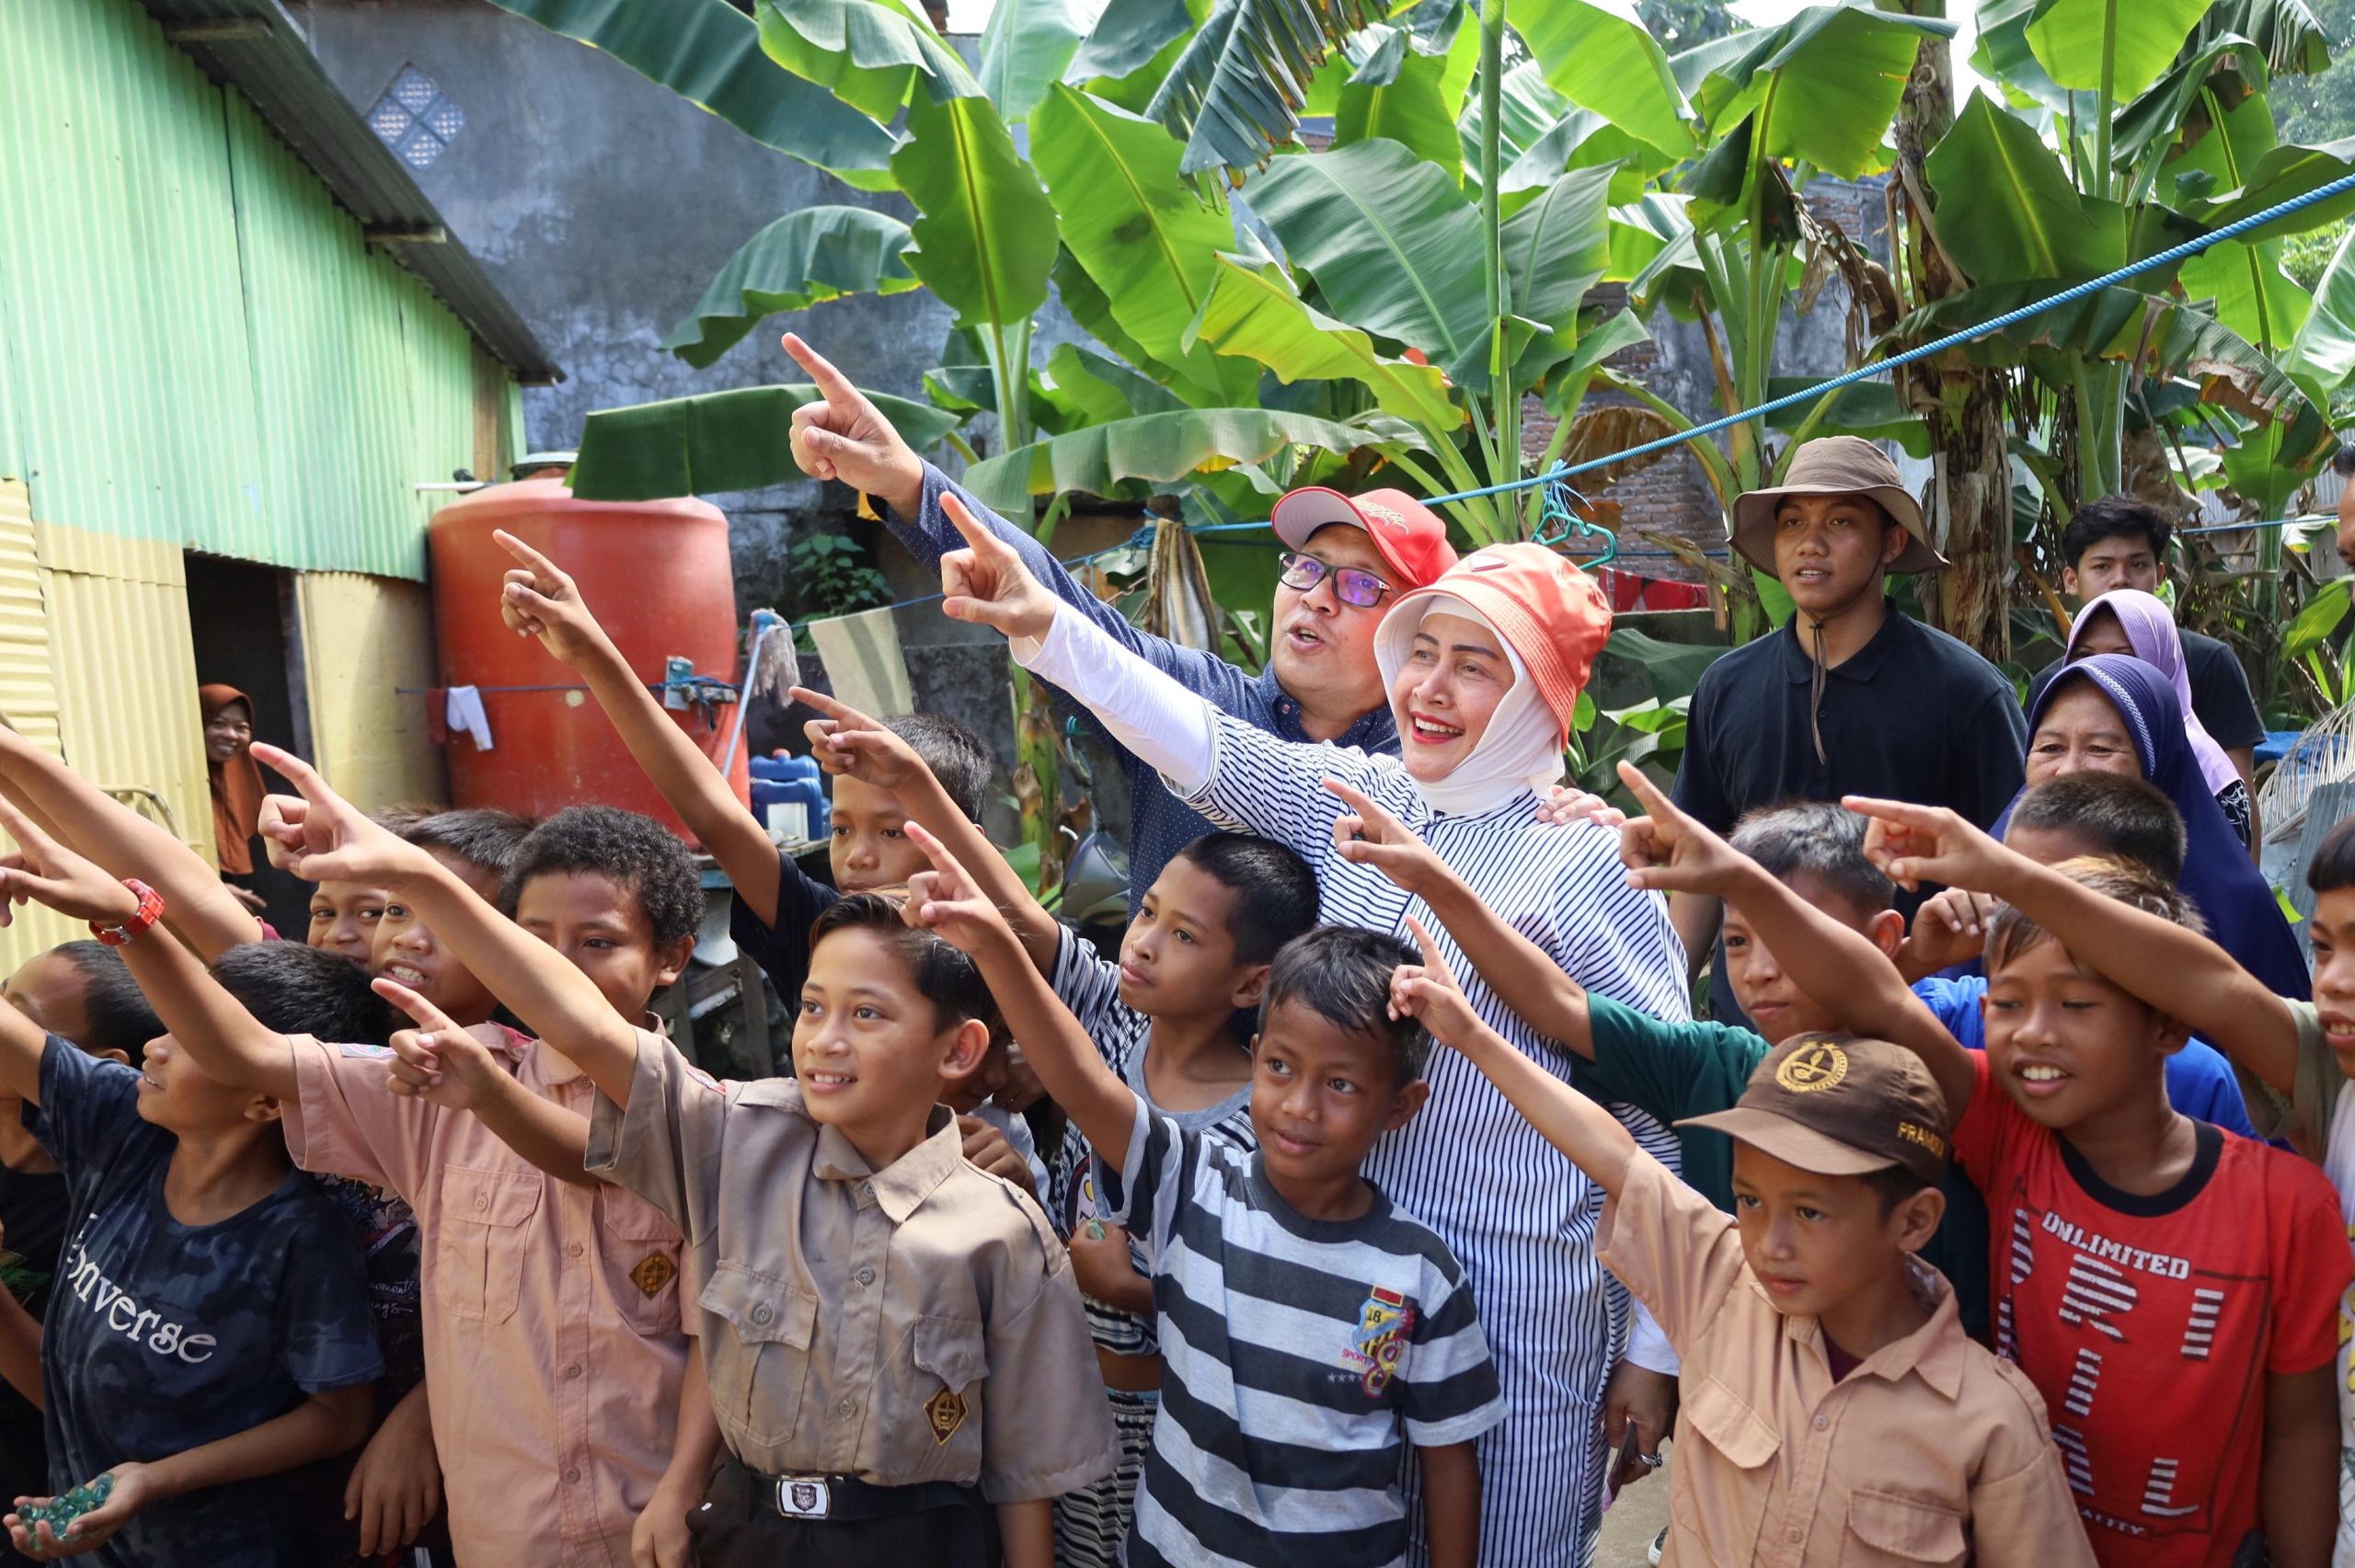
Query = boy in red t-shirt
x=2170 y=1289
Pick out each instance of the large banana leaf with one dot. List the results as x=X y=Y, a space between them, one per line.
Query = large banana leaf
x=1150 y=245
x=714 y=443
x=1092 y=308
x=1254 y=311
x=2006 y=209
x=986 y=240
x=1128 y=35
x=1417 y=105
x=2252 y=294
x=802 y=259
x=1235 y=93
x=1599 y=55
x=1104 y=389
x=2003 y=55
x=1158 y=449
x=1526 y=109
x=2321 y=354
x=1393 y=246
x=865 y=53
x=2069 y=39
x=1558 y=246
x=1582 y=139
x=2279 y=175
x=2286 y=32
x=2225 y=71
x=1792 y=74
x=2160 y=337
x=1026 y=48
x=709 y=54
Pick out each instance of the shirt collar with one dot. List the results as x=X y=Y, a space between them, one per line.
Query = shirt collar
x=1373 y=730
x=1935 y=1352
x=1861 y=666
x=901 y=1186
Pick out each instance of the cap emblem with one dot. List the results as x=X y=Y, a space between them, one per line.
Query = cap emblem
x=1812 y=1069
x=1381 y=514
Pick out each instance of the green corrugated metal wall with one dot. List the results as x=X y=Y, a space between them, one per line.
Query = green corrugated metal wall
x=196 y=344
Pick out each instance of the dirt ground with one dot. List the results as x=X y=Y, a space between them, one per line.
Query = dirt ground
x=1634 y=1519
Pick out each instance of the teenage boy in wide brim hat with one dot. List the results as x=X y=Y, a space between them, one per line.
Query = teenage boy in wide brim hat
x=1851 y=695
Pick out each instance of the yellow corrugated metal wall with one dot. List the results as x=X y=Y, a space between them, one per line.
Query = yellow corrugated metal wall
x=97 y=664
x=363 y=637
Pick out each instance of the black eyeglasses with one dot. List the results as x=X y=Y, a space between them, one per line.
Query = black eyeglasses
x=1350 y=585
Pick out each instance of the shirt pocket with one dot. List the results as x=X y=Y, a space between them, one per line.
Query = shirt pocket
x=641 y=1254
x=947 y=1368
x=1886 y=1530
x=487 y=1223
x=759 y=1368
x=1728 y=1482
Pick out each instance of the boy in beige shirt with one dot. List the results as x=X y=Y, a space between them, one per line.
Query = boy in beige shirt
x=1833 y=1410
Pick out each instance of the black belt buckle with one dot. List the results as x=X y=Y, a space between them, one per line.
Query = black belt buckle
x=804 y=1497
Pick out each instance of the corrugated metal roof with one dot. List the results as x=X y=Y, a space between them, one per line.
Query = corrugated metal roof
x=255 y=46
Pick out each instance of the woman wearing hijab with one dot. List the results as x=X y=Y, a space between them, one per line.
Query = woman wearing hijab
x=2112 y=712
x=2128 y=621
x=1483 y=668
x=236 y=784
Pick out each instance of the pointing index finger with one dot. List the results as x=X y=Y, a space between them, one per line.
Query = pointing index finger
x=1654 y=803
x=977 y=533
x=834 y=708
x=428 y=1016
x=936 y=851
x=831 y=384
x=1431 y=959
x=297 y=772
x=21 y=829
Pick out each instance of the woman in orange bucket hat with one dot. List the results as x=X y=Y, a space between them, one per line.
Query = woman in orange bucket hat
x=1484 y=668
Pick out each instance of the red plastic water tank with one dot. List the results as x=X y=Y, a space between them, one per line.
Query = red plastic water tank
x=656 y=573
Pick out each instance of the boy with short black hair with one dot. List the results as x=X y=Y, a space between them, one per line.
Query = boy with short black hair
x=1835 y=1409
x=1273 y=1268
x=1172 y=1017
x=212 y=1329
x=2171 y=1291
x=478 y=845
x=614 y=892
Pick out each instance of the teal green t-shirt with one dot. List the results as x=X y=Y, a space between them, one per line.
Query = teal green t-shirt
x=1675 y=1071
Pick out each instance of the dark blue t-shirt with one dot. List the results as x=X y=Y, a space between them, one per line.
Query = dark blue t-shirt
x=2200 y=1081
x=162 y=1336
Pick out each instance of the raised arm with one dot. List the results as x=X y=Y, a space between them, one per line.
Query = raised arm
x=1839 y=968
x=542 y=602
x=1588 y=1136
x=83 y=818
x=444 y=1064
x=1166 y=726
x=843 y=436
x=2176 y=970
x=848 y=743
x=213 y=1026
x=947 y=900
x=1523 y=975
x=326 y=840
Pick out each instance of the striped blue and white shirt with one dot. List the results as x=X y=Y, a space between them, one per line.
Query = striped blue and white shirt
x=1089 y=985
x=1301 y=1357
x=1520 y=1218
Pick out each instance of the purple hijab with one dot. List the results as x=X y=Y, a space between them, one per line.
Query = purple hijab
x=2151 y=629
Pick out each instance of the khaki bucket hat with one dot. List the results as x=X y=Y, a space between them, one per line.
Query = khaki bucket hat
x=1835 y=466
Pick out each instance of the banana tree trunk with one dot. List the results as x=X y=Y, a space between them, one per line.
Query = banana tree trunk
x=1971 y=504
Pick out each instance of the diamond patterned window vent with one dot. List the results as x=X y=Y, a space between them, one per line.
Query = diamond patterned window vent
x=415 y=120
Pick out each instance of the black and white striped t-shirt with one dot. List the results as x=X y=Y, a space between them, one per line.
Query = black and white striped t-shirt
x=1089 y=985
x=1299 y=1357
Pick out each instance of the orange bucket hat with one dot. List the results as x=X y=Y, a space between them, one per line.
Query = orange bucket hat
x=1553 y=614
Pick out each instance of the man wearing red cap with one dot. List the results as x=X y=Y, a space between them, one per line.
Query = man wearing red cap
x=1346 y=560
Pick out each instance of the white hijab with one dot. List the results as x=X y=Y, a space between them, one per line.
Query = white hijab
x=1520 y=749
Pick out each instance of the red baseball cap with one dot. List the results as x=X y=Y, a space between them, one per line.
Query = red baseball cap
x=1552 y=613
x=1409 y=536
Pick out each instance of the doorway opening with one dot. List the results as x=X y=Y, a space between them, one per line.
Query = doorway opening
x=242 y=619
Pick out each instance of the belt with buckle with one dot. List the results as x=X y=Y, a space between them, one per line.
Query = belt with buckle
x=847 y=1499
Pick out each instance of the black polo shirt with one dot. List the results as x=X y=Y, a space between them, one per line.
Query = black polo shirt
x=1914 y=715
x=2219 y=694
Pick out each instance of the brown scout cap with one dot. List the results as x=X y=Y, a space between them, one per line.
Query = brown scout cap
x=1835 y=466
x=1842 y=1106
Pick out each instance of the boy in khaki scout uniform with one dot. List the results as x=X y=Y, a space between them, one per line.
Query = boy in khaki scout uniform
x=890 y=1335
x=1833 y=1410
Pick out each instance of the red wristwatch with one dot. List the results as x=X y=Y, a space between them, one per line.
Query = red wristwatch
x=151 y=909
